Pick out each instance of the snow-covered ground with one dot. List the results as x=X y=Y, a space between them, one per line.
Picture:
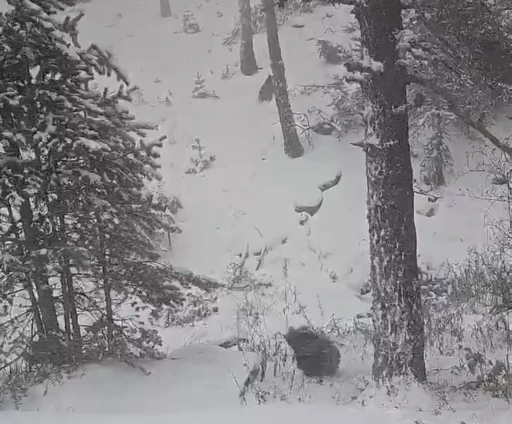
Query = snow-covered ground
x=246 y=202
x=304 y=414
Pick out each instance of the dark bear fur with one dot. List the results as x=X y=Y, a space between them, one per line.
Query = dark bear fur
x=267 y=90
x=315 y=354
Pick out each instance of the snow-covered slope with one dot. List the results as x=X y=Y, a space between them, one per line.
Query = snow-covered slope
x=246 y=201
x=253 y=415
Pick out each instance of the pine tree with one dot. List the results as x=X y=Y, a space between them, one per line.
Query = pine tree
x=79 y=226
x=398 y=338
x=48 y=6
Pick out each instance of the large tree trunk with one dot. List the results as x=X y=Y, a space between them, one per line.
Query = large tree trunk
x=248 y=64
x=165 y=9
x=292 y=146
x=397 y=310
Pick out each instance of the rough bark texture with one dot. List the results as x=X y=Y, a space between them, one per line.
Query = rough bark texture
x=39 y=275
x=165 y=9
x=397 y=310
x=248 y=64
x=292 y=146
x=50 y=339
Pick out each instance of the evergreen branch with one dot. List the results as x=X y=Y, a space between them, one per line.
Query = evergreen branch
x=464 y=117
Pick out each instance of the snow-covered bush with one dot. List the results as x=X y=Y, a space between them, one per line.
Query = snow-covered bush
x=227 y=73
x=200 y=91
x=189 y=23
x=467 y=315
x=201 y=161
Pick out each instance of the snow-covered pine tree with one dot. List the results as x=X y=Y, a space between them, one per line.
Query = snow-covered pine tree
x=29 y=102
x=79 y=226
x=48 y=6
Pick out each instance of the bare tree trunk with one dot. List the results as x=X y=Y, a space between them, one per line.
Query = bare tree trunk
x=69 y=289
x=292 y=146
x=39 y=276
x=107 y=288
x=165 y=9
x=27 y=283
x=399 y=339
x=248 y=64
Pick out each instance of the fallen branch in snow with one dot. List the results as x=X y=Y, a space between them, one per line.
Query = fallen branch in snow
x=428 y=194
x=233 y=342
x=187 y=278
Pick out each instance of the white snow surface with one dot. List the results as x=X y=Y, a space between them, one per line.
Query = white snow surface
x=245 y=202
x=303 y=414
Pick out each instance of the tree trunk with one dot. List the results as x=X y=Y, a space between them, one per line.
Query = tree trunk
x=27 y=283
x=248 y=64
x=292 y=146
x=39 y=276
x=165 y=9
x=69 y=290
x=397 y=310
x=107 y=289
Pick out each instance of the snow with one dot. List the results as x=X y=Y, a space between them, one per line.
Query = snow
x=245 y=202
x=253 y=415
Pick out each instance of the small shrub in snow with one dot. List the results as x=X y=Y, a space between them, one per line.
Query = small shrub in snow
x=478 y=289
x=202 y=160
x=199 y=91
x=227 y=73
x=254 y=336
x=189 y=23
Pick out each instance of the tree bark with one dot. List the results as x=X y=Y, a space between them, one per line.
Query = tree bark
x=39 y=275
x=27 y=283
x=248 y=64
x=69 y=287
x=165 y=9
x=292 y=146
x=107 y=288
x=46 y=302
x=397 y=309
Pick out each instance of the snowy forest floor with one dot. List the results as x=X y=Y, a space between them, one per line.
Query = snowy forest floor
x=245 y=201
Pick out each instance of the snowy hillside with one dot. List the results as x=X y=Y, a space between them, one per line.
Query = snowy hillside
x=247 y=201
